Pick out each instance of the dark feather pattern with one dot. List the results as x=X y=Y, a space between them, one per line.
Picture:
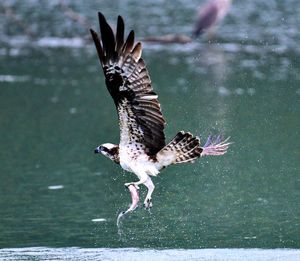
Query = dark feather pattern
x=98 y=45
x=129 y=84
x=108 y=38
x=184 y=147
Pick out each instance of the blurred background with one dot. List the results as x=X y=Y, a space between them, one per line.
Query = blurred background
x=241 y=79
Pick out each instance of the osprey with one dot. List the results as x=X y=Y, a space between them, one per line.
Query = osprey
x=142 y=149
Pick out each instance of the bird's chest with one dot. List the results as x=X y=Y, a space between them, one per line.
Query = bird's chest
x=130 y=157
x=126 y=163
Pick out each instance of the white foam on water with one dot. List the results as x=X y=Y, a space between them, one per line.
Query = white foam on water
x=253 y=237
x=73 y=110
x=14 y=78
x=56 y=187
x=239 y=91
x=55 y=42
x=99 y=220
x=223 y=91
x=132 y=254
x=231 y=47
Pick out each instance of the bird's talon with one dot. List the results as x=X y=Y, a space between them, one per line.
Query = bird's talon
x=148 y=203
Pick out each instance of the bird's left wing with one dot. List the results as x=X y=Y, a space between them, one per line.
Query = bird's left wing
x=129 y=84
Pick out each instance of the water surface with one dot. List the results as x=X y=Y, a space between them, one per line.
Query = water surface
x=54 y=109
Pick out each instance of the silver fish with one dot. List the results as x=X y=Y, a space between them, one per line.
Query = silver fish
x=134 y=192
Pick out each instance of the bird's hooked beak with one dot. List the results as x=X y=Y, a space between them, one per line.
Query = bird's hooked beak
x=98 y=149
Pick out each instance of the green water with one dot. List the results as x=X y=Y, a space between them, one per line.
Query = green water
x=55 y=109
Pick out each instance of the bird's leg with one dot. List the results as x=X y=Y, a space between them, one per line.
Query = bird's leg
x=148 y=200
x=143 y=179
x=131 y=183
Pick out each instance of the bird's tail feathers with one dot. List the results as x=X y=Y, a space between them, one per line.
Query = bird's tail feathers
x=215 y=146
x=184 y=147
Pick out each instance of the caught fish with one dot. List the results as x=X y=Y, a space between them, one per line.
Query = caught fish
x=134 y=201
x=134 y=198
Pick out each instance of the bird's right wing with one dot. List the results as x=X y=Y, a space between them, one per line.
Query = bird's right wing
x=127 y=80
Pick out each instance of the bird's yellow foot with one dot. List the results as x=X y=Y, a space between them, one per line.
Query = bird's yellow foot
x=148 y=203
x=131 y=183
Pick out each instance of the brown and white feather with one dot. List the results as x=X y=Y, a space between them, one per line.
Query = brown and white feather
x=183 y=148
x=128 y=81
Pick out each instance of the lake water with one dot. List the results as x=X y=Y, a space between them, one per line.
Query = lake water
x=55 y=109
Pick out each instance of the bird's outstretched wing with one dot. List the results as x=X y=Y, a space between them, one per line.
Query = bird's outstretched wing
x=127 y=80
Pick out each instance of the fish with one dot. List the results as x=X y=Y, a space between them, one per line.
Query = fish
x=135 y=198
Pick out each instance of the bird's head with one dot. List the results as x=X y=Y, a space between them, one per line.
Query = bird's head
x=109 y=150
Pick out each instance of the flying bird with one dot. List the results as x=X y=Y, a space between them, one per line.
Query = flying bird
x=142 y=149
x=209 y=15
